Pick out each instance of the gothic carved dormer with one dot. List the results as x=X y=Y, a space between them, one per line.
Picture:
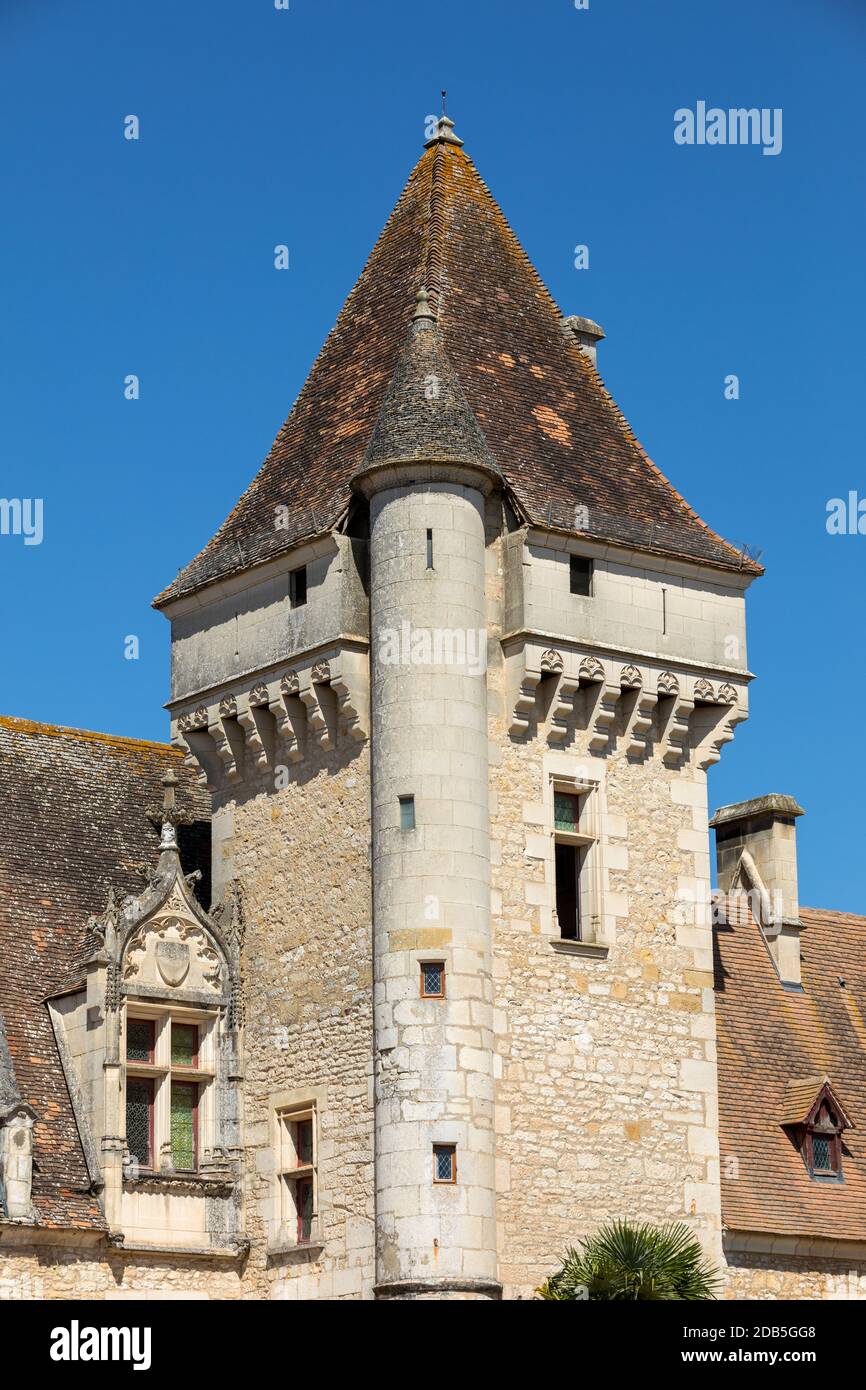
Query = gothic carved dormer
x=165 y=1010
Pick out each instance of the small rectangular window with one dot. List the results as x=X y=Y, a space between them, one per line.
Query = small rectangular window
x=445 y=1163
x=298 y=587
x=566 y=812
x=429 y=550
x=567 y=891
x=184 y=1045
x=304 y=1204
x=139 y=1120
x=432 y=979
x=407 y=813
x=821 y=1155
x=139 y=1039
x=580 y=575
x=296 y=1172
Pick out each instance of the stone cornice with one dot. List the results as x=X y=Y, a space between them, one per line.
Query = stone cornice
x=799 y=1247
x=658 y=707
x=257 y=723
x=561 y=642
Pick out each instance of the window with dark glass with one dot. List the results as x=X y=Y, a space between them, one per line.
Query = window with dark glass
x=298 y=587
x=304 y=1188
x=296 y=1160
x=444 y=1163
x=429 y=550
x=580 y=575
x=432 y=979
x=139 y=1039
x=407 y=813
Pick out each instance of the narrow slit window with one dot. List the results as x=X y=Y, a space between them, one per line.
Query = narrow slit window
x=429 y=550
x=580 y=575
x=568 y=891
x=298 y=587
x=407 y=813
x=432 y=979
x=445 y=1163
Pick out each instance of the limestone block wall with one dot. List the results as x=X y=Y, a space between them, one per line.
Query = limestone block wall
x=776 y=1276
x=50 y=1271
x=301 y=853
x=638 y=604
x=606 y=1082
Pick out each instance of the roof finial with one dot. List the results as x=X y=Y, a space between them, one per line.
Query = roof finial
x=422 y=307
x=168 y=838
x=443 y=133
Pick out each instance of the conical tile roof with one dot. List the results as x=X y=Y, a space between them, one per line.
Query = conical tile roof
x=558 y=438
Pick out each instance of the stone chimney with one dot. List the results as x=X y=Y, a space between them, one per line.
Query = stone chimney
x=756 y=852
x=586 y=333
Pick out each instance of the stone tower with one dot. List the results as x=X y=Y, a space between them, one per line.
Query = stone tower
x=455 y=669
x=426 y=475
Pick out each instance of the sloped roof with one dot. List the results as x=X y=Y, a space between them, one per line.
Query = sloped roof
x=75 y=823
x=776 y=1049
x=557 y=436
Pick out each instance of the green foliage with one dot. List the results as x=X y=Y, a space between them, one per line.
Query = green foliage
x=624 y=1261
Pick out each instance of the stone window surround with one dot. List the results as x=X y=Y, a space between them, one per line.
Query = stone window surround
x=282 y=1233
x=161 y=1072
x=574 y=773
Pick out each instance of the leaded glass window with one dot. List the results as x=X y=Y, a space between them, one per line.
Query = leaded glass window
x=139 y=1039
x=139 y=1120
x=566 y=811
x=821 y=1153
x=184 y=1096
x=444 y=1163
x=184 y=1045
x=432 y=979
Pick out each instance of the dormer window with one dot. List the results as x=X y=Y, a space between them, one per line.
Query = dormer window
x=823 y=1145
x=815 y=1120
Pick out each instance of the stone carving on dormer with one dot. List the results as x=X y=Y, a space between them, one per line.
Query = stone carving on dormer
x=228 y=707
x=551 y=663
x=173 y=951
x=630 y=678
x=668 y=684
x=727 y=694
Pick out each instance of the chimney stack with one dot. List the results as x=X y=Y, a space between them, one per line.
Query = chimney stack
x=756 y=850
x=586 y=333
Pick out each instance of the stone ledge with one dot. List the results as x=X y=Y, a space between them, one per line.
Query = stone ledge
x=596 y=950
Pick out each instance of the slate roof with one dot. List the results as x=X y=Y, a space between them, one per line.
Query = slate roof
x=553 y=429
x=75 y=823
x=773 y=1044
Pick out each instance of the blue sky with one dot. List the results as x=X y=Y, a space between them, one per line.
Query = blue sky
x=261 y=127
